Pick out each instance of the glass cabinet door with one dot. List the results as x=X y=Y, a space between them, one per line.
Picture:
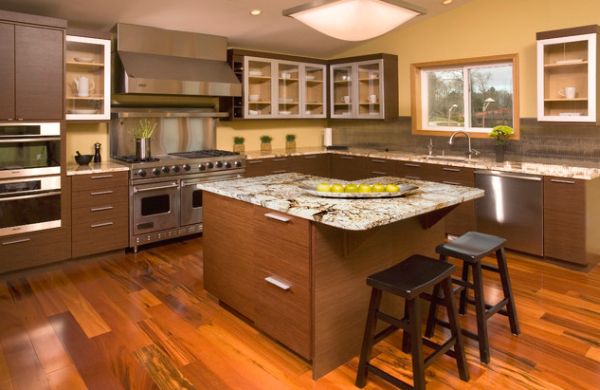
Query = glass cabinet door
x=342 y=87
x=370 y=77
x=314 y=87
x=258 y=87
x=87 y=78
x=288 y=90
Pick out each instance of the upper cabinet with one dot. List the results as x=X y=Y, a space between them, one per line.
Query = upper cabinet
x=364 y=88
x=31 y=67
x=87 y=78
x=567 y=71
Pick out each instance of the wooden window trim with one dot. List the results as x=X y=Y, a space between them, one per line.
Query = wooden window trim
x=415 y=82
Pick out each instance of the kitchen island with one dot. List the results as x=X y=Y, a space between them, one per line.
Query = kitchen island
x=295 y=264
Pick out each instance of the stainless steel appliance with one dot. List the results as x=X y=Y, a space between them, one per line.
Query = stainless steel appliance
x=29 y=204
x=513 y=208
x=29 y=149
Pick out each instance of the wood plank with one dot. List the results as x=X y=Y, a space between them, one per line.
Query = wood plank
x=161 y=369
x=66 y=378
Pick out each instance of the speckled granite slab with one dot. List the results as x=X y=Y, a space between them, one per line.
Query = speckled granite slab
x=531 y=168
x=103 y=167
x=284 y=193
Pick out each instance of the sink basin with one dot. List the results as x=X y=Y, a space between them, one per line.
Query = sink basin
x=447 y=158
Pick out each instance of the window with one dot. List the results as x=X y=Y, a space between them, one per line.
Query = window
x=472 y=95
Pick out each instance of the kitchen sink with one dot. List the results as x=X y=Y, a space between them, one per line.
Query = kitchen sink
x=448 y=158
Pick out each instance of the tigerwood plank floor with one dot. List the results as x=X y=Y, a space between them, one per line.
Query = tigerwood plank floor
x=143 y=321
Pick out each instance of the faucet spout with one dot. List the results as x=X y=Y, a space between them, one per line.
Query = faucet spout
x=470 y=151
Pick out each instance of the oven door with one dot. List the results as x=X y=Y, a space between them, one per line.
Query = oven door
x=28 y=205
x=155 y=207
x=29 y=149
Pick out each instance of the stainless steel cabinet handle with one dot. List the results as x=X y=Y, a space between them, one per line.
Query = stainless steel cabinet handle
x=562 y=181
x=378 y=161
x=412 y=165
x=378 y=173
x=310 y=157
x=254 y=161
x=277 y=283
x=174 y=185
x=452 y=169
x=280 y=159
x=31 y=139
x=107 y=192
x=98 y=225
x=347 y=157
x=101 y=177
x=16 y=241
x=101 y=208
x=452 y=183
x=280 y=171
x=43 y=195
x=277 y=217
x=413 y=177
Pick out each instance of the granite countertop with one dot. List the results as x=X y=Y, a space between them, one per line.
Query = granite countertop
x=284 y=193
x=559 y=169
x=103 y=167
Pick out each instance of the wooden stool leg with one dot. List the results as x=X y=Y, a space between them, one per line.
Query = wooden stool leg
x=418 y=363
x=482 y=334
x=507 y=288
x=462 y=309
x=367 y=345
x=432 y=315
x=406 y=335
x=455 y=331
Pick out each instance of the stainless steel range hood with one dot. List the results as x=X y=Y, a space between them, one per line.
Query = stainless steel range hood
x=153 y=61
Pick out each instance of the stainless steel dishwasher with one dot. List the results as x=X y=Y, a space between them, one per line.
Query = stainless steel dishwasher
x=513 y=208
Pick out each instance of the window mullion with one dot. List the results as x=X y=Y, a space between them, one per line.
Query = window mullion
x=467 y=98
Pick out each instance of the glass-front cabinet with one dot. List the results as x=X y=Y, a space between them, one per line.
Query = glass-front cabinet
x=357 y=90
x=283 y=89
x=87 y=78
x=566 y=83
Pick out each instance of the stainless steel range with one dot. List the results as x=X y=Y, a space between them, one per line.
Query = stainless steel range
x=165 y=201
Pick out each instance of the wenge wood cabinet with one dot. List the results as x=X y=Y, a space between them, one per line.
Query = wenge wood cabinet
x=346 y=167
x=310 y=164
x=33 y=249
x=100 y=213
x=31 y=72
x=267 y=166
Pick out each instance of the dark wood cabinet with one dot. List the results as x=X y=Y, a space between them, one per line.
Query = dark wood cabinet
x=374 y=167
x=310 y=164
x=259 y=167
x=346 y=167
x=33 y=249
x=7 y=71
x=416 y=170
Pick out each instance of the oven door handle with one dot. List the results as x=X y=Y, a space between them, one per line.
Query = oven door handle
x=32 y=139
x=174 y=185
x=43 y=195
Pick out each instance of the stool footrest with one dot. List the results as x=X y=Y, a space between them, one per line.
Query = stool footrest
x=463 y=283
x=463 y=331
x=489 y=307
x=399 y=324
x=439 y=349
x=384 y=375
x=384 y=333
x=490 y=268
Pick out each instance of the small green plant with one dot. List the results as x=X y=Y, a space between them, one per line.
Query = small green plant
x=266 y=139
x=290 y=137
x=238 y=140
x=145 y=129
x=501 y=133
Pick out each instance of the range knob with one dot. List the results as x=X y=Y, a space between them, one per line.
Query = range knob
x=141 y=173
x=156 y=172
x=227 y=164
x=219 y=164
x=210 y=165
x=186 y=167
x=202 y=167
x=176 y=168
x=165 y=169
x=237 y=164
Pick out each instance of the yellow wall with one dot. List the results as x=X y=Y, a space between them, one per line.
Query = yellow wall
x=82 y=136
x=482 y=28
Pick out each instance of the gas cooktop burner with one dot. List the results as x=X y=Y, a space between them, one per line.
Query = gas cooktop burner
x=204 y=153
x=134 y=159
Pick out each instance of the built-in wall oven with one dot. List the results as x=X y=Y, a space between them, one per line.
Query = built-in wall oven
x=29 y=204
x=29 y=149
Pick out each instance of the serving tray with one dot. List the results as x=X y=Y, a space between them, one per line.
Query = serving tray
x=405 y=189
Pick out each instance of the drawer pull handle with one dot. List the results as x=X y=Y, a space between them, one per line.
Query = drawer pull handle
x=378 y=161
x=347 y=157
x=278 y=217
x=379 y=173
x=451 y=183
x=99 y=225
x=101 y=177
x=107 y=192
x=413 y=177
x=452 y=169
x=255 y=161
x=310 y=157
x=16 y=241
x=101 y=208
x=280 y=171
x=280 y=159
x=412 y=165
x=562 y=181
x=277 y=283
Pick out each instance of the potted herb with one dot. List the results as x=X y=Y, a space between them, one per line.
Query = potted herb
x=265 y=143
x=238 y=144
x=501 y=133
x=143 y=133
x=290 y=142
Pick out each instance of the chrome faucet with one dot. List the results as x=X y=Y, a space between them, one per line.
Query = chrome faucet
x=470 y=152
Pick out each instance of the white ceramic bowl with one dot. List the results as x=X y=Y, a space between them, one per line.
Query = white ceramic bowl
x=254 y=98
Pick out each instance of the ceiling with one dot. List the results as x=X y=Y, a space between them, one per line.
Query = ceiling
x=229 y=18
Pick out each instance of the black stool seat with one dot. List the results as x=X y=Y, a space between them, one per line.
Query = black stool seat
x=471 y=246
x=411 y=277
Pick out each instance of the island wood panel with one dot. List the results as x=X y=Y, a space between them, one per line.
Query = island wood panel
x=341 y=262
x=7 y=71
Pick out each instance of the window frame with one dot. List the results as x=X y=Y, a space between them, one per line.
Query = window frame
x=418 y=96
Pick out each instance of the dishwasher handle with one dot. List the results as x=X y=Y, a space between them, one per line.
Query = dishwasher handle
x=509 y=175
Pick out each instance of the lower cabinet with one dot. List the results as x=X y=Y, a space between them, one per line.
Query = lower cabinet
x=100 y=213
x=32 y=249
x=345 y=167
x=310 y=164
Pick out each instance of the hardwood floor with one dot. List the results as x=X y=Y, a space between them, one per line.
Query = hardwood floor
x=143 y=321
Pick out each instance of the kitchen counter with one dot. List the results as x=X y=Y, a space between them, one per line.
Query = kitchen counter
x=284 y=193
x=553 y=168
x=103 y=167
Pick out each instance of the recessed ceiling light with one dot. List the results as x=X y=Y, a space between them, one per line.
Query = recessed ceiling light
x=446 y=2
x=255 y=12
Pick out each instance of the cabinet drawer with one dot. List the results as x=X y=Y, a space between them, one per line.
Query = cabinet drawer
x=31 y=249
x=374 y=167
x=100 y=236
x=100 y=181
x=258 y=167
x=346 y=167
x=415 y=170
x=110 y=211
x=453 y=175
x=278 y=227
x=99 y=197
x=311 y=164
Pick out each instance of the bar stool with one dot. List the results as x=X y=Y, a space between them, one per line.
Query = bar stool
x=410 y=279
x=471 y=248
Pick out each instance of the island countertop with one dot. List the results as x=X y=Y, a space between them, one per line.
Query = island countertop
x=284 y=193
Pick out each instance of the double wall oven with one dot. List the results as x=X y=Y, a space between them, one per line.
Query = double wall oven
x=30 y=183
